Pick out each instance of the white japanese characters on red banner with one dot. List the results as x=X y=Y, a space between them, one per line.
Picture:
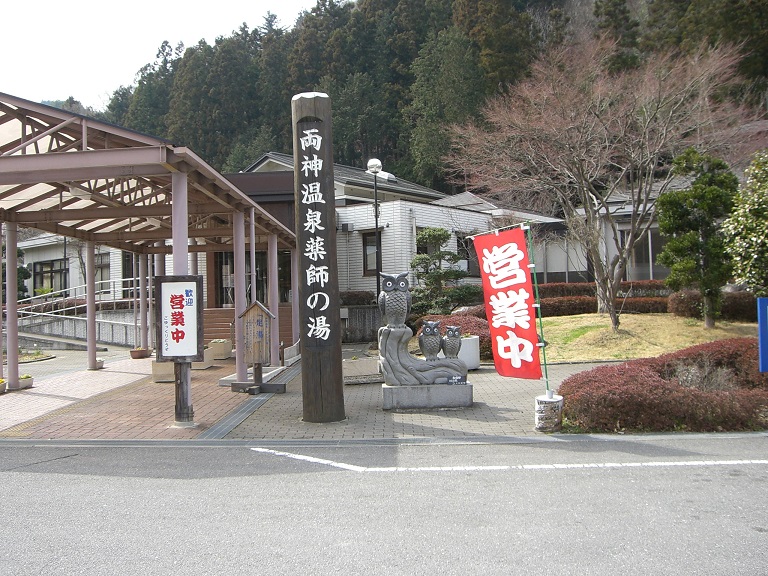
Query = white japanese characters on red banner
x=178 y=319
x=509 y=302
x=316 y=275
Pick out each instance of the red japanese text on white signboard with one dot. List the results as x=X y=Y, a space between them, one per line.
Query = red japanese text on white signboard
x=178 y=303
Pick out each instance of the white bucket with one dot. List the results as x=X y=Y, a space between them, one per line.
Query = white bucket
x=549 y=413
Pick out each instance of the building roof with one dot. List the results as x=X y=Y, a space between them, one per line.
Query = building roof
x=68 y=174
x=354 y=183
x=470 y=201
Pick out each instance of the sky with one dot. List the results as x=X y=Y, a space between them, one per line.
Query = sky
x=51 y=50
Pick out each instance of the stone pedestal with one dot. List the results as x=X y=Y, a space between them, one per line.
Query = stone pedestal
x=206 y=362
x=163 y=371
x=221 y=349
x=549 y=413
x=427 y=396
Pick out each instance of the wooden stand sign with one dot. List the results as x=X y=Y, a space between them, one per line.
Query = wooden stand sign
x=179 y=321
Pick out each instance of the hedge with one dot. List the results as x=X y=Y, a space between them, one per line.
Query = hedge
x=648 y=394
x=356 y=298
x=736 y=306
x=633 y=289
x=572 y=305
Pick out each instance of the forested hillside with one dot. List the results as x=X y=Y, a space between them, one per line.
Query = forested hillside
x=399 y=72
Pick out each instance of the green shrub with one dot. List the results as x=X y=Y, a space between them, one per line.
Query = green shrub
x=648 y=394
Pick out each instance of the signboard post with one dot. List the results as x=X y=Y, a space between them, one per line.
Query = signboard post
x=179 y=321
x=319 y=311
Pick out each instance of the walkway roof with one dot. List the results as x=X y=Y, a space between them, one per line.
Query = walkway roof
x=72 y=175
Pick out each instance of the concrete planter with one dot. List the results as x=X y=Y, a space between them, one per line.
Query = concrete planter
x=23 y=383
x=137 y=353
x=207 y=361
x=469 y=353
x=221 y=350
x=163 y=371
x=3 y=387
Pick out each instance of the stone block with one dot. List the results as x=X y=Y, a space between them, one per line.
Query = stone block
x=427 y=396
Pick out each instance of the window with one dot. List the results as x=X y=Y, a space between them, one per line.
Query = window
x=50 y=276
x=468 y=255
x=369 y=254
x=102 y=272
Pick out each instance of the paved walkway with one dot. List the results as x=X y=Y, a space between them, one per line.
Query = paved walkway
x=123 y=402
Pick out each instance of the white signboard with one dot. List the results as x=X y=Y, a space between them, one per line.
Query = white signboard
x=179 y=322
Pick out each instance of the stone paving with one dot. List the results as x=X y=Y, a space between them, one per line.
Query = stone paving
x=122 y=402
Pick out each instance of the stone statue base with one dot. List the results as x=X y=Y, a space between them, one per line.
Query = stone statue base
x=427 y=396
x=401 y=369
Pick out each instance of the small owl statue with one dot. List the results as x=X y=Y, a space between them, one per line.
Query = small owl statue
x=395 y=299
x=429 y=340
x=451 y=343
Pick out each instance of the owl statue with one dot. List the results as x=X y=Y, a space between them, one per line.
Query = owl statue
x=429 y=340
x=395 y=299
x=451 y=343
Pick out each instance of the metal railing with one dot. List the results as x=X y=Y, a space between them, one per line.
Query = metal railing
x=61 y=313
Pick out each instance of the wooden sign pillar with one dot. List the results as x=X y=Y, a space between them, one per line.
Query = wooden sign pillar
x=321 y=374
x=257 y=330
x=179 y=328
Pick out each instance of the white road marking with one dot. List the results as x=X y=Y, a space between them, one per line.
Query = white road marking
x=353 y=468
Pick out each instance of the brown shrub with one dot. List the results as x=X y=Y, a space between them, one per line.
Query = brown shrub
x=468 y=324
x=737 y=306
x=647 y=395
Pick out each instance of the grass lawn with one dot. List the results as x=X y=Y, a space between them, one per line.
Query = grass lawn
x=588 y=337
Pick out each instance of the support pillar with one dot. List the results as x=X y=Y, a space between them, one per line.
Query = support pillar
x=12 y=307
x=90 y=303
x=184 y=413
x=273 y=299
x=2 y=326
x=143 y=305
x=254 y=278
x=238 y=230
x=193 y=258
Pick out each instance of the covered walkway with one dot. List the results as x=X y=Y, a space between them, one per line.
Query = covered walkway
x=102 y=184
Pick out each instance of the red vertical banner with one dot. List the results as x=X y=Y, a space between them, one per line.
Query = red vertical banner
x=509 y=300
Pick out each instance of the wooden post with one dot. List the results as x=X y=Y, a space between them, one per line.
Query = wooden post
x=321 y=374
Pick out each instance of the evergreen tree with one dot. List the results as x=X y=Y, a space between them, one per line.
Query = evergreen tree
x=615 y=19
x=152 y=96
x=691 y=218
x=119 y=104
x=447 y=90
x=273 y=95
x=746 y=230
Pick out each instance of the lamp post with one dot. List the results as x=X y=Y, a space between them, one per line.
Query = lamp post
x=374 y=167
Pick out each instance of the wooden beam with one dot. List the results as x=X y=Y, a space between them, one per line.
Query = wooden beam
x=85 y=165
x=104 y=213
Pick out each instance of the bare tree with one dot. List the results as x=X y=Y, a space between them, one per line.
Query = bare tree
x=595 y=146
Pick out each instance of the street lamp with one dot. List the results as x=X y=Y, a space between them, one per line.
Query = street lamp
x=374 y=167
